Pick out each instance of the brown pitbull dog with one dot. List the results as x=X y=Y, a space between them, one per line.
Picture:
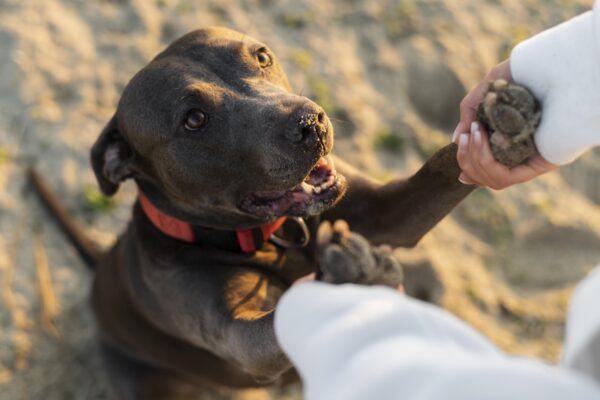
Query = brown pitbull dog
x=221 y=149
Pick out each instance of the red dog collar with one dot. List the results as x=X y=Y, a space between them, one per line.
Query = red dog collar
x=188 y=233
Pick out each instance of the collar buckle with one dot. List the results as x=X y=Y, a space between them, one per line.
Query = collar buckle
x=290 y=244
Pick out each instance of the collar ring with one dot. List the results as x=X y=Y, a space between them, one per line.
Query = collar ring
x=290 y=244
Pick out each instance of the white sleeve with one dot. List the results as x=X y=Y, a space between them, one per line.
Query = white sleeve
x=582 y=343
x=361 y=343
x=562 y=68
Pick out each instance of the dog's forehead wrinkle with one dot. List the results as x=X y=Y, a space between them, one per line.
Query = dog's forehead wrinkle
x=207 y=91
x=219 y=77
x=171 y=74
x=226 y=62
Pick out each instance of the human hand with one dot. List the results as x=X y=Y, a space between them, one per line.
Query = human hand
x=479 y=167
x=306 y=278
x=468 y=106
x=475 y=158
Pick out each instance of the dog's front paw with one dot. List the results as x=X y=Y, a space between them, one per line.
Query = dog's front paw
x=511 y=114
x=347 y=257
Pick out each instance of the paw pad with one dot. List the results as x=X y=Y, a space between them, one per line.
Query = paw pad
x=511 y=114
x=347 y=257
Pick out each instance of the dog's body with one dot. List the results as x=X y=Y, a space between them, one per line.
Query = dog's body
x=213 y=136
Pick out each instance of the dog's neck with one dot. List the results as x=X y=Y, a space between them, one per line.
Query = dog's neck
x=244 y=240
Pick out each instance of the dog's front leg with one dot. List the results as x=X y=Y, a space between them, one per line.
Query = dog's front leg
x=253 y=346
x=400 y=212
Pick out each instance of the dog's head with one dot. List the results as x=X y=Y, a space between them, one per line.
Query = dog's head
x=212 y=133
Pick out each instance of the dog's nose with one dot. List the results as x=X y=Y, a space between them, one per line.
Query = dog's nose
x=312 y=121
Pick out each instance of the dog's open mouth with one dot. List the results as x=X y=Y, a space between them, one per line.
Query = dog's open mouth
x=319 y=190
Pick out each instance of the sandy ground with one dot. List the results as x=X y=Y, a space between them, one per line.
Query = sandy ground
x=390 y=73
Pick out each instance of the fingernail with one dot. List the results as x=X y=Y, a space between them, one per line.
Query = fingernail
x=477 y=137
x=461 y=179
x=463 y=140
x=474 y=127
x=456 y=133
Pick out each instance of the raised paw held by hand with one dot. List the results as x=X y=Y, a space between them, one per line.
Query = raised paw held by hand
x=479 y=166
x=510 y=114
x=495 y=135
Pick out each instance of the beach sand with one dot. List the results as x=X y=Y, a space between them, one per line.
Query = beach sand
x=389 y=73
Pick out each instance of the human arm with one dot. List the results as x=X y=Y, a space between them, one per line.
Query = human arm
x=582 y=342
x=562 y=68
x=353 y=343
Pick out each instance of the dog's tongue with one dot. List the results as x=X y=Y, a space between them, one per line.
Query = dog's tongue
x=321 y=171
x=322 y=161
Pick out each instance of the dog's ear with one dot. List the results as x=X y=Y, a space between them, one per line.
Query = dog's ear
x=111 y=158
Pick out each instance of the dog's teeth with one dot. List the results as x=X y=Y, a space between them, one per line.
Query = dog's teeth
x=317 y=189
x=307 y=187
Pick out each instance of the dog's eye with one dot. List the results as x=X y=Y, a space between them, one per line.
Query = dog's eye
x=264 y=59
x=195 y=120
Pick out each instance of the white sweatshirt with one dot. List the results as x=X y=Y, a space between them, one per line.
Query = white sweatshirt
x=352 y=342
x=582 y=344
x=561 y=66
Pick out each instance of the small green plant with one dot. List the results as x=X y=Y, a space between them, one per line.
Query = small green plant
x=401 y=21
x=471 y=292
x=387 y=140
x=294 y=20
x=302 y=58
x=484 y=211
x=96 y=200
x=567 y=3
x=544 y=205
x=4 y=155
x=321 y=93
x=518 y=34
x=184 y=7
